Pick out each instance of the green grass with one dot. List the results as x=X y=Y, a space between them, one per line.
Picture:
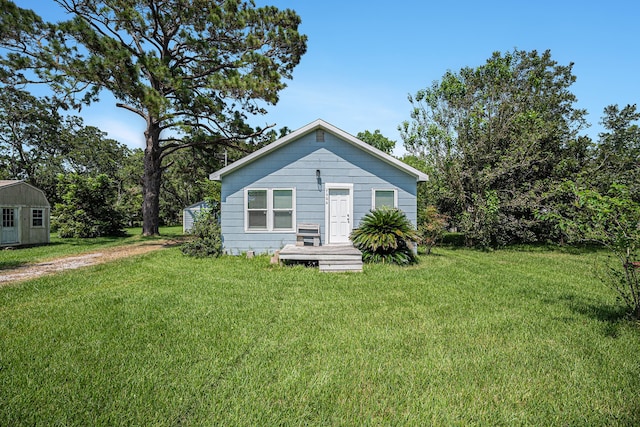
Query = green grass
x=464 y=338
x=15 y=257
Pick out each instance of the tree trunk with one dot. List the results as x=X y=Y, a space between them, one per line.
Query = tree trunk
x=151 y=181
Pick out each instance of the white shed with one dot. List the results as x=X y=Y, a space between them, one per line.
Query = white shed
x=25 y=214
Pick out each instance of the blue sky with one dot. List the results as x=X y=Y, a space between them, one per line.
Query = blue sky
x=365 y=57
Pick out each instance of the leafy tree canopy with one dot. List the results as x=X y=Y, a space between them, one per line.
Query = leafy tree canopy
x=377 y=140
x=495 y=138
x=617 y=154
x=37 y=143
x=182 y=66
x=87 y=208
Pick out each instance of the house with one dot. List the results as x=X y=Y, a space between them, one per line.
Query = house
x=25 y=214
x=317 y=175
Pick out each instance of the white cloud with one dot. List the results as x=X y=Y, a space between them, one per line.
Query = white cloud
x=123 y=131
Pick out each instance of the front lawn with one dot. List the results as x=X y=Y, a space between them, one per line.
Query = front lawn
x=465 y=337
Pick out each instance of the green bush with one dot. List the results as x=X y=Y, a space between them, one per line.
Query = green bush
x=386 y=235
x=207 y=240
x=88 y=207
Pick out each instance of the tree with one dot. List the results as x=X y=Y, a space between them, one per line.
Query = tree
x=89 y=151
x=129 y=180
x=183 y=66
x=431 y=224
x=617 y=154
x=30 y=146
x=185 y=178
x=186 y=181
x=87 y=208
x=377 y=140
x=37 y=143
x=496 y=138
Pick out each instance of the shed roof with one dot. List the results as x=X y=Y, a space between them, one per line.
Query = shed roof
x=7 y=182
x=11 y=182
x=311 y=127
x=198 y=205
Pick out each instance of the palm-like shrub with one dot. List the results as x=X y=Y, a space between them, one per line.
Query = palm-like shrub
x=386 y=235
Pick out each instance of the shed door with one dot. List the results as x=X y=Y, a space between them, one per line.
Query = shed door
x=339 y=212
x=9 y=229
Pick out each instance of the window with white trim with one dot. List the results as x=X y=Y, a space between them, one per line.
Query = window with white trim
x=270 y=209
x=384 y=197
x=256 y=212
x=37 y=218
x=282 y=209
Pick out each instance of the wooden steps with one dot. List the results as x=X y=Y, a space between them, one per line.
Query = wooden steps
x=339 y=266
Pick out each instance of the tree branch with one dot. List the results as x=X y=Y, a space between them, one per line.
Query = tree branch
x=133 y=110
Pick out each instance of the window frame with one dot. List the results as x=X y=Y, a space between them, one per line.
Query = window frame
x=274 y=209
x=270 y=211
x=41 y=218
x=8 y=219
x=247 y=210
x=373 y=196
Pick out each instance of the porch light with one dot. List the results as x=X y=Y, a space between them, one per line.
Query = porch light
x=318 y=173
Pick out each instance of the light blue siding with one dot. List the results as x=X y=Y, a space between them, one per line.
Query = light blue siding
x=294 y=165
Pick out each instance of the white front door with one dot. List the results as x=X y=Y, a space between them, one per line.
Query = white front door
x=339 y=215
x=9 y=229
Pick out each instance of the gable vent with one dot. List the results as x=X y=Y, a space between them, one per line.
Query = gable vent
x=319 y=135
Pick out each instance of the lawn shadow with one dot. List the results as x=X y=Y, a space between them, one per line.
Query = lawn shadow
x=433 y=253
x=612 y=315
x=573 y=249
x=603 y=312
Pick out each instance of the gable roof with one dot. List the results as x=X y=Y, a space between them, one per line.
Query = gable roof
x=8 y=186
x=312 y=127
x=10 y=182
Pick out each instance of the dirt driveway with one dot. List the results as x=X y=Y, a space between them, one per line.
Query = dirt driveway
x=31 y=271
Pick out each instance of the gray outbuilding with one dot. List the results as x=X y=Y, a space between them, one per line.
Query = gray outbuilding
x=190 y=214
x=25 y=214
